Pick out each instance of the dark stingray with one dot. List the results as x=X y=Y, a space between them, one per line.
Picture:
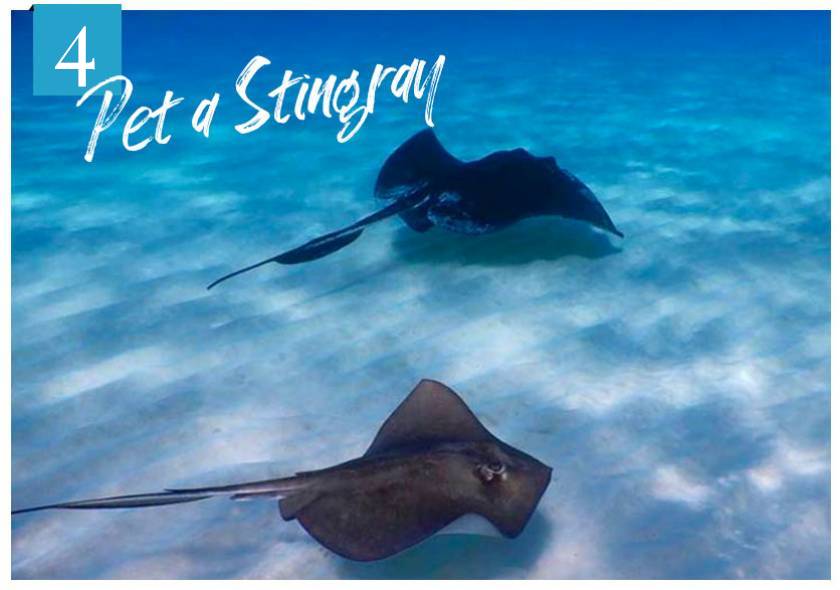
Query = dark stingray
x=431 y=463
x=428 y=187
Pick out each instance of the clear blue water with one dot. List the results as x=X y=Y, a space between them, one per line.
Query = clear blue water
x=676 y=380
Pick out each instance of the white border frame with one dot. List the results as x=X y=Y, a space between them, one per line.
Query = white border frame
x=204 y=5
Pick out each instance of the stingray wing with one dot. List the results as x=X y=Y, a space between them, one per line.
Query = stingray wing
x=431 y=414
x=370 y=524
x=434 y=414
x=417 y=165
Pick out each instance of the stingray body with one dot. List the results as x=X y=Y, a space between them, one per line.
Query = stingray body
x=431 y=463
x=428 y=187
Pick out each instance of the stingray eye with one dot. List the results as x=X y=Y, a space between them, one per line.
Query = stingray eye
x=488 y=472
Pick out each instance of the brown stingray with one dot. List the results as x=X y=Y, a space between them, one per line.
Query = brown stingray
x=431 y=462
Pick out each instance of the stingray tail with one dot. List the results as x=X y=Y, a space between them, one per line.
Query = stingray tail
x=271 y=488
x=274 y=488
x=132 y=501
x=331 y=242
x=410 y=175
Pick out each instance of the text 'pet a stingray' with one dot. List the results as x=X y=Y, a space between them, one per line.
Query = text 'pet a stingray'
x=329 y=95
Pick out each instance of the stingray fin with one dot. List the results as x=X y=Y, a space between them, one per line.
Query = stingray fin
x=369 y=524
x=417 y=165
x=432 y=413
x=290 y=506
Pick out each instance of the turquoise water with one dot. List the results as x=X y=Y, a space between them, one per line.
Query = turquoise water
x=677 y=380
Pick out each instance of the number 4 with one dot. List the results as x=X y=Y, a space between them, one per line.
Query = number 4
x=81 y=65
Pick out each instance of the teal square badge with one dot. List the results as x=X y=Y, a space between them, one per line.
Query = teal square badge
x=74 y=47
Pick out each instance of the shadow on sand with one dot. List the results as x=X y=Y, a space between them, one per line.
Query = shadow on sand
x=459 y=557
